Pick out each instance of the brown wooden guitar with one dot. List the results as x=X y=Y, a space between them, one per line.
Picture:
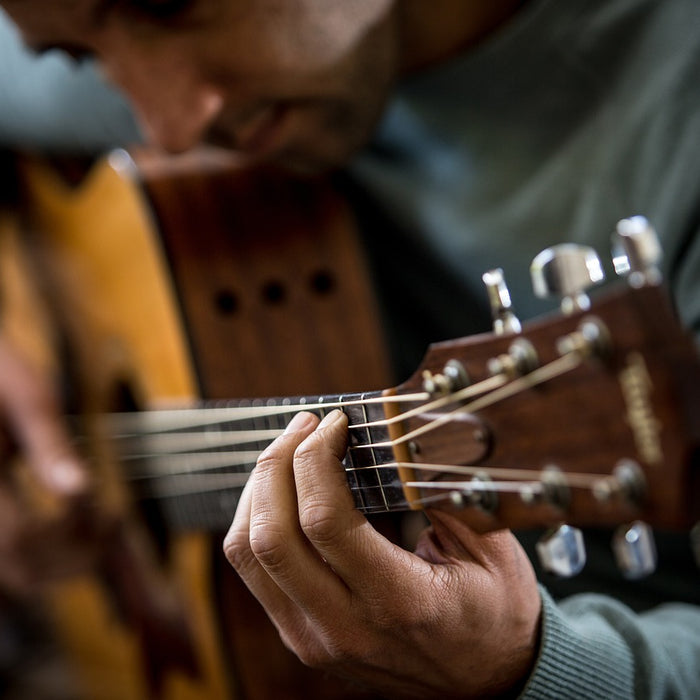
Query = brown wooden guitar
x=159 y=281
x=588 y=417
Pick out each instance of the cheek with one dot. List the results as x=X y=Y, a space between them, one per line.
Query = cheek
x=296 y=37
x=327 y=135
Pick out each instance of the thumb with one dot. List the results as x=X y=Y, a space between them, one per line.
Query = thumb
x=37 y=427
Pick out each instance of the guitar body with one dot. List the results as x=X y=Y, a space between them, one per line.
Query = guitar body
x=162 y=285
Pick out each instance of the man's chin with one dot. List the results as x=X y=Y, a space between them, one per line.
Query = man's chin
x=312 y=161
x=302 y=165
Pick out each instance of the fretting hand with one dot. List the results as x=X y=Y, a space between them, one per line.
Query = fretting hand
x=459 y=618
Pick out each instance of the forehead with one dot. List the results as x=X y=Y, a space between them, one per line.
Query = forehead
x=36 y=17
x=81 y=17
x=52 y=8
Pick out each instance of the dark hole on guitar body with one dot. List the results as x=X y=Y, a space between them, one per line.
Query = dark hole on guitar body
x=274 y=292
x=226 y=302
x=322 y=282
x=124 y=400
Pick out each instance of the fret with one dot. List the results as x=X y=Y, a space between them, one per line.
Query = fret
x=354 y=483
x=189 y=479
x=321 y=412
x=374 y=483
x=374 y=450
x=210 y=511
x=362 y=458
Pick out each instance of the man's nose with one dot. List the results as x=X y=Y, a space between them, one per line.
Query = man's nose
x=178 y=120
x=175 y=105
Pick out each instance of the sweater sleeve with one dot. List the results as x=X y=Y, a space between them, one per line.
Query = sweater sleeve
x=594 y=647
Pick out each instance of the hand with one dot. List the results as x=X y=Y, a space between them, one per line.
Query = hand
x=459 y=618
x=37 y=544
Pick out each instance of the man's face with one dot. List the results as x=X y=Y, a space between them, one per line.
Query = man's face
x=298 y=82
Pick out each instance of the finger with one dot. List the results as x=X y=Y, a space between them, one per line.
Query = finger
x=364 y=559
x=281 y=610
x=276 y=537
x=290 y=620
x=36 y=423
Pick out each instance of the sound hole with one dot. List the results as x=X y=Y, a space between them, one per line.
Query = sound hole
x=226 y=302
x=123 y=399
x=274 y=292
x=322 y=282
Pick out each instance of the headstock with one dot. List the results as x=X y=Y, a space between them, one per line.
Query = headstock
x=589 y=417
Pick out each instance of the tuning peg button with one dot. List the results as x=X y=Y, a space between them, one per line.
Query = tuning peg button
x=637 y=251
x=504 y=319
x=566 y=271
x=635 y=550
x=562 y=551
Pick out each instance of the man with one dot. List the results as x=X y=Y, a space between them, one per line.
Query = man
x=511 y=126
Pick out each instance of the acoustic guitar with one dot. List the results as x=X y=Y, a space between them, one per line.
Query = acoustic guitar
x=144 y=281
x=586 y=417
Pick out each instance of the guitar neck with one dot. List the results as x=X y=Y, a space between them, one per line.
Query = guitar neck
x=520 y=438
x=194 y=463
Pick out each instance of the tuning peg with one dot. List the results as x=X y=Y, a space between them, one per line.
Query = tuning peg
x=567 y=271
x=637 y=251
x=635 y=550
x=504 y=320
x=452 y=378
x=562 y=551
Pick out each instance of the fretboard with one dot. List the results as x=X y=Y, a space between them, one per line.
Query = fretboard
x=192 y=464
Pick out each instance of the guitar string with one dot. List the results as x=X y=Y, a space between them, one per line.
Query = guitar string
x=576 y=479
x=178 y=442
x=450 y=491
x=130 y=424
x=547 y=372
x=175 y=419
x=454 y=489
x=239 y=478
x=538 y=376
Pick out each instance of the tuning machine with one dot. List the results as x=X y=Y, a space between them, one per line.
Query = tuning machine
x=626 y=481
x=635 y=550
x=562 y=551
x=453 y=377
x=567 y=271
x=637 y=251
x=504 y=319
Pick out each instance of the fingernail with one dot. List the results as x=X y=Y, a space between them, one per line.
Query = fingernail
x=67 y=477
x=331 y=418
x=298 y=421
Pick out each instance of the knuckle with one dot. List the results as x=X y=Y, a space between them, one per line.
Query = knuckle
x=268 y=545
x=307 y=453
x=318 y=517
x=270 y=456
x=237 y=549
x=319 y=523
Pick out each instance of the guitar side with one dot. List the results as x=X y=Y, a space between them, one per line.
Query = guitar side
x=109 y=290
x=109 y=312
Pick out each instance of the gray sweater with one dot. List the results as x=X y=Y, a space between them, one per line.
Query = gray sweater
x=575 y=115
